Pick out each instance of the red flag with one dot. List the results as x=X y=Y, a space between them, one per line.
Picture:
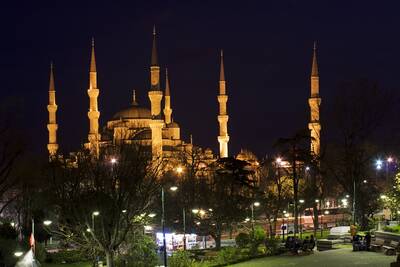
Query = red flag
x=32 y=240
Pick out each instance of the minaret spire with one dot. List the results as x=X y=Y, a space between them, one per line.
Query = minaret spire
x=167 y=107
x=134 y=101
x=93 y=113
x=221 y=68
x=154 y=56
x=52 y=126
x=314 y=102
x=155 y=95
x=223 y=117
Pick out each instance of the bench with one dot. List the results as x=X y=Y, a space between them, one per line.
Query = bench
x=377 y=244
x=392 y=248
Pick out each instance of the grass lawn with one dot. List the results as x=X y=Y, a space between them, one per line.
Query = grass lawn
x=343 y=257
x=78 y=264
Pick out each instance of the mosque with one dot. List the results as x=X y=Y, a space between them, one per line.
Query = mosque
x=154 y=127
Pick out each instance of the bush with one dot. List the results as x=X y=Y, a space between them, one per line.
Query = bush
x=392 y=229
x=67 y=256
x=181 y=259
x=257 y=238
x=227 y=255
x=242 y=240
x=272 y=246
x=140 y=253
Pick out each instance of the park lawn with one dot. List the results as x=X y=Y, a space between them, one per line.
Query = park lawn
x=343 y=257
x=77 y=264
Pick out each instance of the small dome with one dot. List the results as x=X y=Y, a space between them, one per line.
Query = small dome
x=133 y=112
x=173 y=125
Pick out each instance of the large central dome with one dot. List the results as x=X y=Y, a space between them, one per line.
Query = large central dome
x=133 y=112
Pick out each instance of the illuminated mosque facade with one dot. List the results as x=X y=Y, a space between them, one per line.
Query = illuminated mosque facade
x=155 y=127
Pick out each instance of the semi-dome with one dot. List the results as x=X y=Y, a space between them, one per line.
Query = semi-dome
x=133 y=112
x=173 y=125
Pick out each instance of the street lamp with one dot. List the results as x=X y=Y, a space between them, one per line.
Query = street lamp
x=179 y=170
x=18 y=254
x=172 y=188
x=113 y=161
x=47 y=222
x=254 y=204
x=195 y=211
x=94 y=214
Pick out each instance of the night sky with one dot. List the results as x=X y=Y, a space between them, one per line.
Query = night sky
x=267 y=47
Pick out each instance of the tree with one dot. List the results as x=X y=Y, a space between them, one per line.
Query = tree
x=120 y=185
x=224 y=196
x=295 y=150
x=275 y=190
x=360 y=113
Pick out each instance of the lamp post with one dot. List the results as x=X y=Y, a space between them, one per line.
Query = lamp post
x=301 y=201
x=172 y=188
x=94 y=214
x=254 y=204
x=163 y=226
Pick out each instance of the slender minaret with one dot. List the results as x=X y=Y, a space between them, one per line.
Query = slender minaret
x=52 y=126
x=167 y=108
x=223 y=117
x=155 y=96
x=315 y=101
x=93 y=114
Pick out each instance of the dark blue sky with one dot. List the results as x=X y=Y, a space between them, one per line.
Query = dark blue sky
x=267 y=47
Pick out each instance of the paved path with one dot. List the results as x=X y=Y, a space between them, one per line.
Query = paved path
x=343 y=257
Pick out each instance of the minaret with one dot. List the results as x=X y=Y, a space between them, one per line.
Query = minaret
x=314 y=102
x=155 y=96
x=223 y=117
x=52 y=126
x=167 y=108
x=93 y=114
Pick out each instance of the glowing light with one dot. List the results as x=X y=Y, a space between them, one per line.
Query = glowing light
x=12 y=224
x=47 y=222
x=198 y=223
x=88 y=230
x=383 y=197
x=179 y=169
x=195 y=211
x=365 y=181
x=307 y=168
x=326 y=212
x=301 y=201
x=284 y=212
x=124 y=211
x=173 y=188
x=18 y=253
x=287 y=215
x=148 y=228
x=96 y=213
x=210 y=209
x=389 y=159
x=256 y=204
x=202 y=212
x=152 y=215
x=347 y=196
x=247 y=219
x=317 y=201
x=279 y=160
x=113 y=160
